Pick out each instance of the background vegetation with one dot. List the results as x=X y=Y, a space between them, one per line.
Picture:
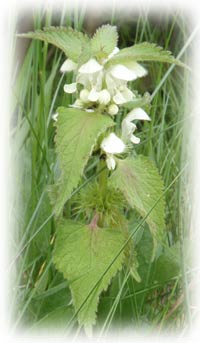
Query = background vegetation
x=40 y=296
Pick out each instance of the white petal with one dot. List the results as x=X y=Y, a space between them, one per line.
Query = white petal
x=127 y=94
x=114 y=52
x=68 y=65
x=110 y=161
x=134 y=139
x=92 y=66
x=139 y=70
x=104 y=97
x=113 y=144
x=137 y=113
x=93 y=95
x=127 y=129
x=70 y=88
x=55 y=116
x=123 y=73
x=113 y=109
x=83 y=79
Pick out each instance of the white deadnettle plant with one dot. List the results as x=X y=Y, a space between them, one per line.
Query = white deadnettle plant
x=91 y=249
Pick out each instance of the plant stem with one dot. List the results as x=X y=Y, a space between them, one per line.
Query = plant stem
x=103 y=178
x=103 y=186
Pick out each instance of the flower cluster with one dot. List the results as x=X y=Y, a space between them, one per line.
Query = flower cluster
x=103 y=88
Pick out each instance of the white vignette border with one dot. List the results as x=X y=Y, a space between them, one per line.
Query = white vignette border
x=8 y=12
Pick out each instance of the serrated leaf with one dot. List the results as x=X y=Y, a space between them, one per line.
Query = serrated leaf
x=139 y=181
x=104 y=41
x=76 y=135
x=144 y=52
x=70 y=41
x=86 y=54
x=83 y=254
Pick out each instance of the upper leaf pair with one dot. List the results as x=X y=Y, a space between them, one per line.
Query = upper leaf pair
x=79 y=48
x=76 y=45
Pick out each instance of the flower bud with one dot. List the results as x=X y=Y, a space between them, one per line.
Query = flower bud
x=84 y=95
x=104 y=97
x=93 y=95
x=68 y=65
x=70 y=88
x=113 y=109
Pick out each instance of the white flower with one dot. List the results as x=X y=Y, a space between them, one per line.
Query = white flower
x=112 y=145
x=121 y=72
x=55 y=116
x=104 y=97
x=128 y=127
x=118 y=76
x=89 y=81
x=137 y=68
x=70 y=88
x=90 y=75
x=68 y=65
x=118 y=89
x=113 y=109
x=123 y=95
x=92 y=66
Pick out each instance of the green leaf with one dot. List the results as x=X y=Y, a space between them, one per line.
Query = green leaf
x=86 y=53
x=70 y=41
x=139 y=181
x=83 y=254
x=104 y=41
x=168 y=264
x=143 y=52
x=77 y=133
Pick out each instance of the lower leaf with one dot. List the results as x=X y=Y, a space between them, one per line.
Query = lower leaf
x=142 y=186
x=83 y=254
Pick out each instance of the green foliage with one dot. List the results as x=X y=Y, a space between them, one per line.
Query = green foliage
x=142 y=186
x=144 y=249
x=131 y=260
x=104 y=41
x=70 y=41
x=143 y=52
x=168 y=264
x=108 y=206
x=76 y=134
x=86 y=255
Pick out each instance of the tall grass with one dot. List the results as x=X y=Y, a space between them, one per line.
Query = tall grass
x=40 y=295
